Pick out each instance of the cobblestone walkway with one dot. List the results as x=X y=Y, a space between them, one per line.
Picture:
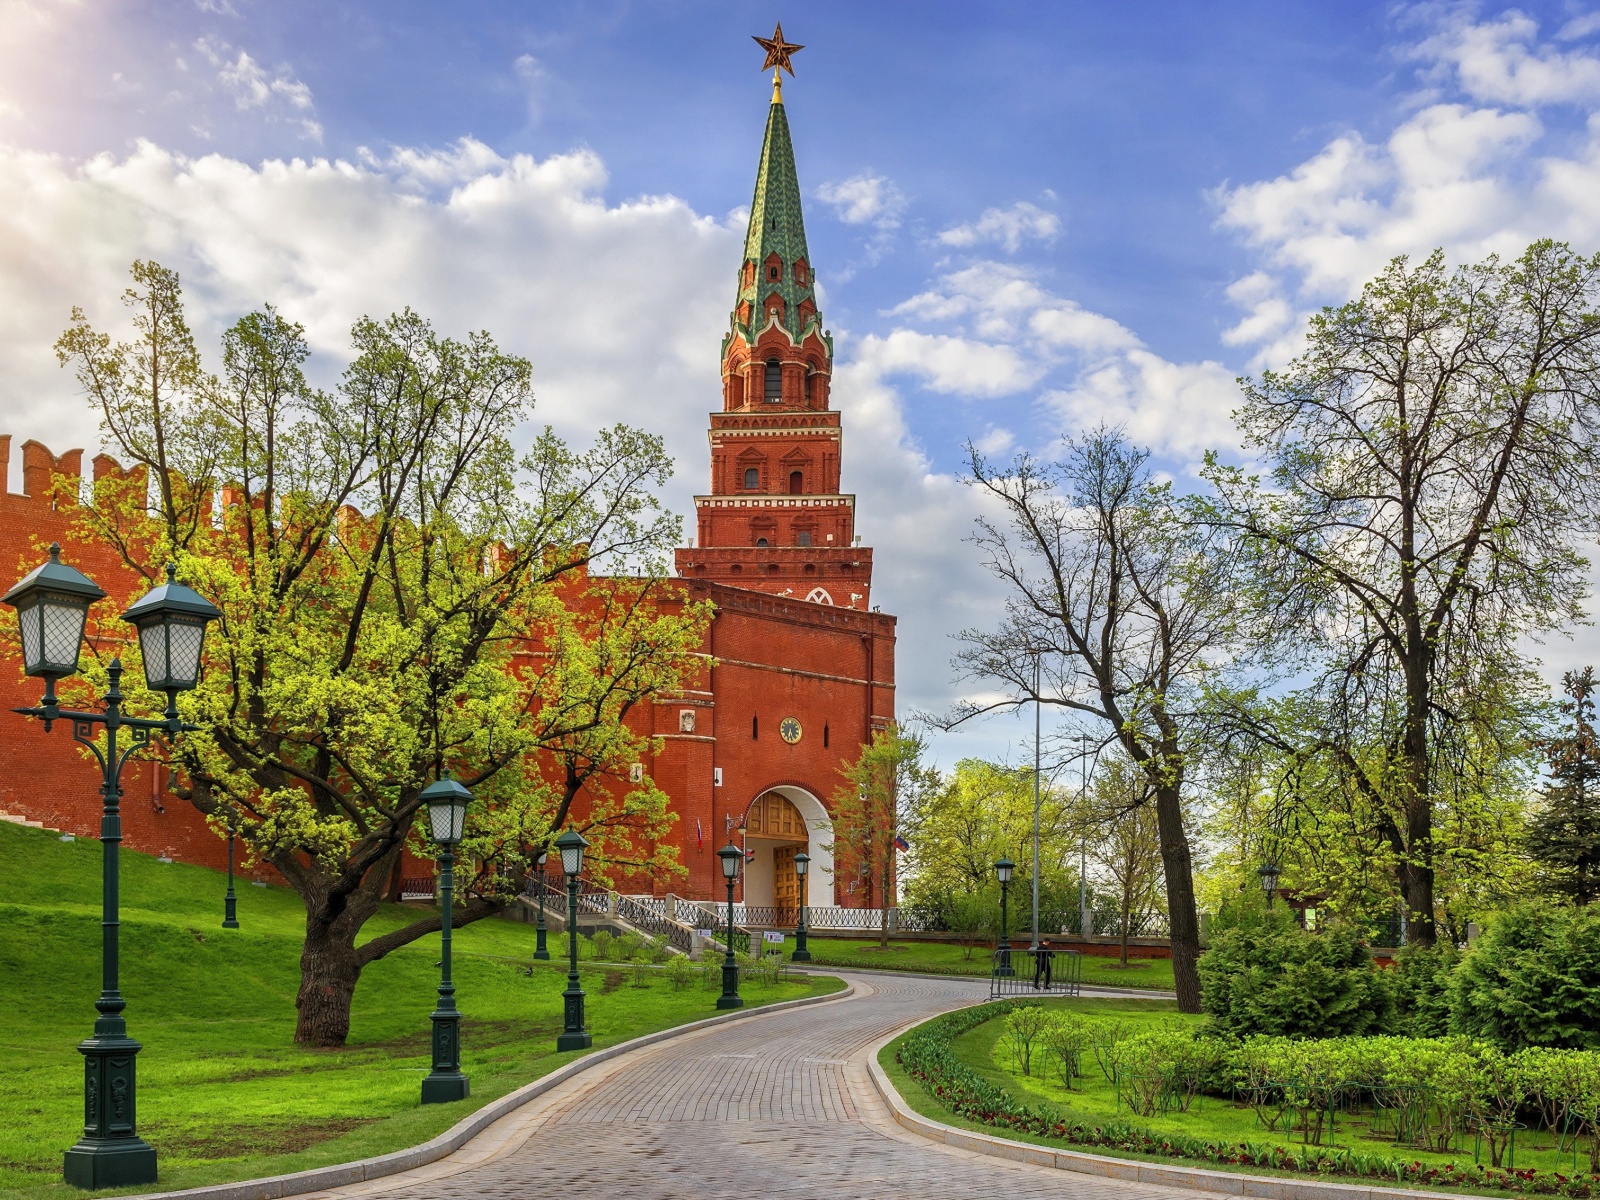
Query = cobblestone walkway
x=776 y=1107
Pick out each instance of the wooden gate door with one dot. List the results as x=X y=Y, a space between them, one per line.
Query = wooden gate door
x=785 y=884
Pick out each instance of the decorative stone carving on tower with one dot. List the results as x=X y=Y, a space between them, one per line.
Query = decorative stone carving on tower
x=775 y=520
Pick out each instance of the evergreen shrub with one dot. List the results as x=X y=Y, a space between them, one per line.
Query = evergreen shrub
x=1265 y=974
x=1532 y=979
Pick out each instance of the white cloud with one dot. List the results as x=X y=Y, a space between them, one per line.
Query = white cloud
x=953 y=365
x=1005 y=227
x=1475 y=172
x=253 y=88
x=1500 y=61
x=1177 y=409
x=864 y=199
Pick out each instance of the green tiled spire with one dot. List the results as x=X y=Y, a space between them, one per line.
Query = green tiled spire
x=776 y=227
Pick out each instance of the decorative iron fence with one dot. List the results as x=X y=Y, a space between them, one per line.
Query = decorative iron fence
x=421 y=887
x=644 y=918
x=1022 y=972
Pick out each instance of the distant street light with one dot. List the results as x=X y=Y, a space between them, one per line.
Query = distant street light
x=731 y=856
x=1268 y=871
x=574 y=1034
x=52 y=604
x=802 y=863
x=1004 y=869
x=230 y=902
x=447 y=803
x=541 y=951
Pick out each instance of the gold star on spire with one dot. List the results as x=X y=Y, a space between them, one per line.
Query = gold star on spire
x=778 y=50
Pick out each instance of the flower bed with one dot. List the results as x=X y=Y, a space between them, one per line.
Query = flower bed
x=928 y=1056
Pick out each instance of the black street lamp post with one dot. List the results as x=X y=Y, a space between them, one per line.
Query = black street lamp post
x=730 y=998
x=52 y=606
x=230 y=902
x=447 y=804
x=574 y=1035
x=802 y=863
x=541 y=951
x=1003 y=869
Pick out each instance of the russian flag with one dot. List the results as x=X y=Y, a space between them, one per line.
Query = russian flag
x=699 y=835
x=900 y=843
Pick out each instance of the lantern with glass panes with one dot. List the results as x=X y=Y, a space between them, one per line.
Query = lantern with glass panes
x=1003 y=869
x=447 y=802
x=575 y=1031
x=52 y=604
x=802 y=865
x=731 y=857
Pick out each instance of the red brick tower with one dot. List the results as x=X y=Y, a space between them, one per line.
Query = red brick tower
x=775 y=520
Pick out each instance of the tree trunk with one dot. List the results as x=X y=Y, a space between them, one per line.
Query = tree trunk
x=329 y=969
x=1181 y=913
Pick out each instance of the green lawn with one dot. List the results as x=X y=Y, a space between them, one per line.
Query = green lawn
x=947 y=958
x=224 y=1093
x=1093 y=1099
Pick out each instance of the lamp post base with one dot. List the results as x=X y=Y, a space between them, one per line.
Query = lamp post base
x=800 y=955
x=574 y=1041
x=730 y=1001
x=444 y=1086
x=541 y=951
x=110 y=1162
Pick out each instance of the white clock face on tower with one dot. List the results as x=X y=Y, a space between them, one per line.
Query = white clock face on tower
x=789 y=730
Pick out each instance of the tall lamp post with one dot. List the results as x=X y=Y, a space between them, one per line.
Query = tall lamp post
x=230 y=902
x=1003 y=869
x=802 y=863
x=731 y=856
x=52 y=604
x=1085 y=926
x=1038 y=719
x=541 y=951
x=447 y=804
x=574 y=1035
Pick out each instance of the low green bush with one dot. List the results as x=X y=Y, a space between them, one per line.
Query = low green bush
x=1420 y=983
x=1441 y=1086
x=1265 y=974
x=1532 y=979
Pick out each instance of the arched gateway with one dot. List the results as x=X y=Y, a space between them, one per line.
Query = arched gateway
x=780 y=822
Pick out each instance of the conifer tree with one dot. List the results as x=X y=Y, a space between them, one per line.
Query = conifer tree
x=1564 y=837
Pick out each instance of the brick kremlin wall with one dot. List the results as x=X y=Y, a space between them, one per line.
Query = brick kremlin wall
x=46 y=776
x=769 y=658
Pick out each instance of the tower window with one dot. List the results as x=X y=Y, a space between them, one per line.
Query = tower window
x=772 y=272
x=761 y=541
x=755 y=728
x=803 y=538
x=774 y=388
x=797 y=483
x=752 y=478
x=806 y=388
x=824 y=735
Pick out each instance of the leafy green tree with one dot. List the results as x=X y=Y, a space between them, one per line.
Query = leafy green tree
x=1430 y=456
x=1265 y=974
x=1127 y=609
x=1126 y=843
x=1532 y=979
x=979 y=812
x=1564 y=836
x=402 y=594
x=883 y=794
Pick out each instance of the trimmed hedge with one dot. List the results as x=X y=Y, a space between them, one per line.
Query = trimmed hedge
x=928 y=1057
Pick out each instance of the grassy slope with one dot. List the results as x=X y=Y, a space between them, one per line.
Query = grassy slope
x=1094 y=1100
x=947 y=958
x=224 y=1094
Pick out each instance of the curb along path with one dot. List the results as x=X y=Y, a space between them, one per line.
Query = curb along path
x=778 y=1107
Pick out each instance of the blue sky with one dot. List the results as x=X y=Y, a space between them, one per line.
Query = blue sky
x=1024 y=218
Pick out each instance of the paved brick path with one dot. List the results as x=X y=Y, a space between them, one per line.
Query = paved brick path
x=776 y=1107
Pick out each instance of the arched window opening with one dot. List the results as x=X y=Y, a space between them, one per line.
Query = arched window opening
x=797 y=482
x=761 y=541
x=752 y=478
x=755 y=728
x=772 y=272
x=774 y=388
x=824 y=735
